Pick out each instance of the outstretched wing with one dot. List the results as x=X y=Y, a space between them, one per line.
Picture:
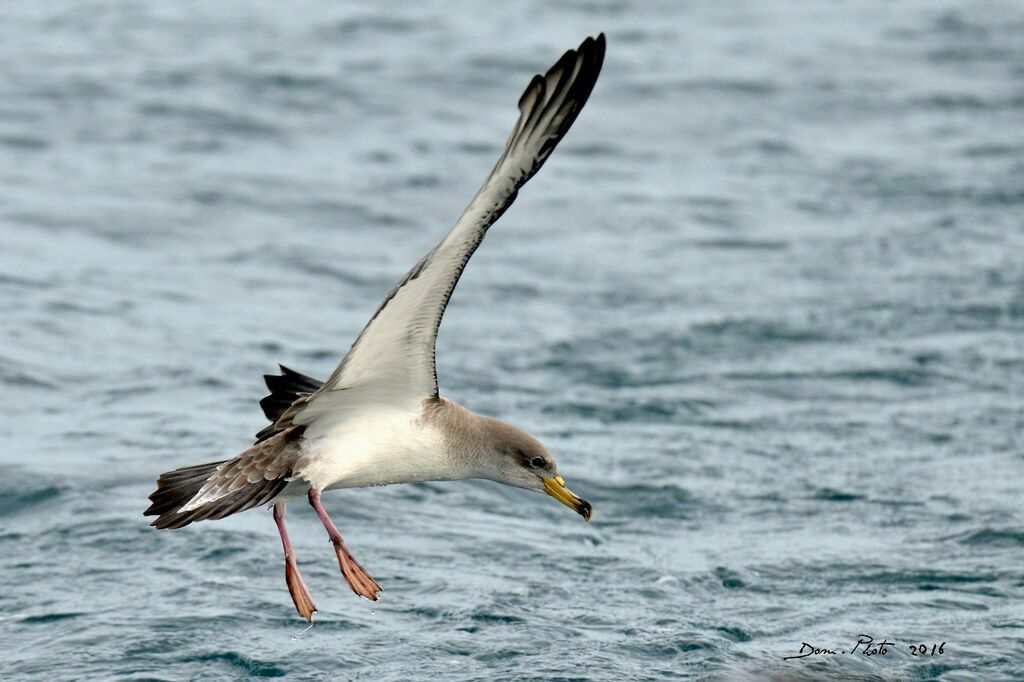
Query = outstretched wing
x=393 y=357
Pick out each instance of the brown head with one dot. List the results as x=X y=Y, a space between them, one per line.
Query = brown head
x=519 y=459
x=492 y=449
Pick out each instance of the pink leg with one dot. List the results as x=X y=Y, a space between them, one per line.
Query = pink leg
x=296 y=585
x=358 y=579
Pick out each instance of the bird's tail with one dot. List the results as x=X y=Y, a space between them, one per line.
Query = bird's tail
x=174 y=489
x=219 y=489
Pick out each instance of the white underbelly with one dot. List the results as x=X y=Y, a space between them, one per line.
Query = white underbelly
x=372 y=448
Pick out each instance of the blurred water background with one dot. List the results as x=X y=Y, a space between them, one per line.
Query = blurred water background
x=765 y=303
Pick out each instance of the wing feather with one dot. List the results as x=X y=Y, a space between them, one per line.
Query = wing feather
x=392 y=360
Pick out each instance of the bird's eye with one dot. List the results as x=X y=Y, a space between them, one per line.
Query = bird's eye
x=536 y=462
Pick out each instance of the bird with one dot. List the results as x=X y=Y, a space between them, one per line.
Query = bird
x=379 y=418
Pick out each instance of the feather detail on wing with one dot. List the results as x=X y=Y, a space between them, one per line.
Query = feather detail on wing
x=392 y=360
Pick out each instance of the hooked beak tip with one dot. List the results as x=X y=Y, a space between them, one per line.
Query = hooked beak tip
x=555 y=487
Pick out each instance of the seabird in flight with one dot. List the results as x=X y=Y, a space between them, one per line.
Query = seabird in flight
x=378 y=419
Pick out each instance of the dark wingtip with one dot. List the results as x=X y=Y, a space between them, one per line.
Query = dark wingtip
x=285 y=388
x=595 y=44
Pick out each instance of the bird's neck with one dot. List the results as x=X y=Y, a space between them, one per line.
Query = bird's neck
x=464 y=433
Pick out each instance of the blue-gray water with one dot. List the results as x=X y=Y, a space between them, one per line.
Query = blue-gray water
x=765 y=303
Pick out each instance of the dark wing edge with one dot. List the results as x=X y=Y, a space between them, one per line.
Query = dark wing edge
x=548 y=108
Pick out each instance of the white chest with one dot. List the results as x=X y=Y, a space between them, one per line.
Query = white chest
x=374 y=447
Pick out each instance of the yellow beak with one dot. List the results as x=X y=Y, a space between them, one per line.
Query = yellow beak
x=555 y=487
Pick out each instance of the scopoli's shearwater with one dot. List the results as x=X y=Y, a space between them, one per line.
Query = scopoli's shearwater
x=379 y=419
